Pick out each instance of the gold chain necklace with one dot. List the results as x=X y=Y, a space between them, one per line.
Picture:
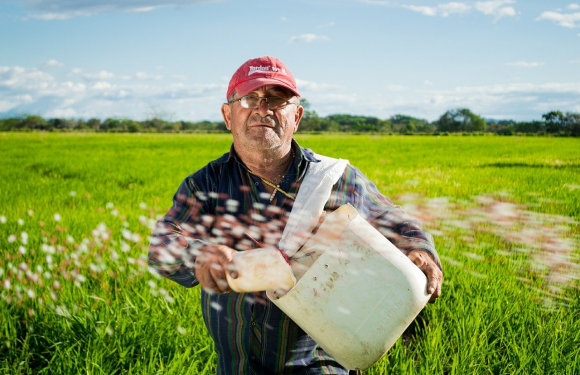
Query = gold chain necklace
x=275 y=186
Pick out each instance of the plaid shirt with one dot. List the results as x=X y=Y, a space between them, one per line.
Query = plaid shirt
x=220 y=202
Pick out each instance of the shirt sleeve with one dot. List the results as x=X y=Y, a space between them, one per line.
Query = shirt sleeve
x=178 y=235
x=391 y=220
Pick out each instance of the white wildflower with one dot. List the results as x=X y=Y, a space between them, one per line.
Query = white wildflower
x=24 y=238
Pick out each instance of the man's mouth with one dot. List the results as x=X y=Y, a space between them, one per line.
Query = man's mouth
x=262 y=125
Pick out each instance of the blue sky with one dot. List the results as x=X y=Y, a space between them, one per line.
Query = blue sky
x=503 y=59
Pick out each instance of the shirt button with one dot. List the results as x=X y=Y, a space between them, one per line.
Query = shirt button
x=253 y=357
x=253 y=324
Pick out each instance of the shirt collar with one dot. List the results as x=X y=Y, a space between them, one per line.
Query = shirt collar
x=301 y=153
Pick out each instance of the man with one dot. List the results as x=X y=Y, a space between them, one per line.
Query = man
x=243 y=200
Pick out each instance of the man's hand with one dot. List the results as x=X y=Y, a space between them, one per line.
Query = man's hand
x=425 y=262
x=211 y=266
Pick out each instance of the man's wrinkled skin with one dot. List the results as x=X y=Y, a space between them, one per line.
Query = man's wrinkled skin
x=211 y=266
x=425 y=262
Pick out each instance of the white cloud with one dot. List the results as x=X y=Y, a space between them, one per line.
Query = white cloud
x=574 y=6
x=493 y=8
x=32 y=90
x=375 y=2
x=443 y=10
x=49 y=10
x=396 y=88
x=141 y=10
x=27 y=90
x=62 y=113
x=453 y=8
x=307 y=38
x=518 y=101
x=569 y=20
x=305 y=86
x=53 y=63
x=52 y=16
x=146 y=77
x=496 y=8
x=562 y=88
x=102 y=85
x=425 y=10
x=526 y=64
x=29 y=79
x=98 y=76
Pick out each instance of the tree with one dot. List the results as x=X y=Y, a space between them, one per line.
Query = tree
x=94 y=123
x=62 y=124
x=460 y=120
x=554 y=121
x=34 y=122
x=572 y=121
x=406 y=124
x=530 y=126
x=310 y=120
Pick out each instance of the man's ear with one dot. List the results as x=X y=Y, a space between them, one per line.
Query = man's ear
x=298 y=116
x=227 y=115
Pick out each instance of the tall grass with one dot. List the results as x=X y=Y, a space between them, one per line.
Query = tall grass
x=76 y=211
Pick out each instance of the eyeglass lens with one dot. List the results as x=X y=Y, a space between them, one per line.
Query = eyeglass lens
x=253 y=102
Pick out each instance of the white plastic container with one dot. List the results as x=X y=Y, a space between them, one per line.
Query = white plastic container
x=356 y=292
x=260 y=270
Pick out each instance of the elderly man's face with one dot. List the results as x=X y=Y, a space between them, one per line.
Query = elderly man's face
x=262 y=128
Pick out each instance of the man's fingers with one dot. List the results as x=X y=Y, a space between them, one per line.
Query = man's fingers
x=431 y=271
x=212 y=265
x=434 y=281
x=231 y=269
x=218 y=275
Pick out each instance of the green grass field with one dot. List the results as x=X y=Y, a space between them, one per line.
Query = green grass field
x=76 y=211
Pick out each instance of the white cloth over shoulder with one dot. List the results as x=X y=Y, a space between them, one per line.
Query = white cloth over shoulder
x=312 y=197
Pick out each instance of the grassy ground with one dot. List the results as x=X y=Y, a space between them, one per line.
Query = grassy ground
x=76 y=210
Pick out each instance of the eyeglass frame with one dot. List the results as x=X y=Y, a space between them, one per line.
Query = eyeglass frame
x=262 y=98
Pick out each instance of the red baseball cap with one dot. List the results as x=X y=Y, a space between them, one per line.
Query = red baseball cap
x=261 y=71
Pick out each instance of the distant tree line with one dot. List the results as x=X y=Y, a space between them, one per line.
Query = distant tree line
x=459 y=120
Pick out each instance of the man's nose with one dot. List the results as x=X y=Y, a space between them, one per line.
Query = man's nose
x=263 y=109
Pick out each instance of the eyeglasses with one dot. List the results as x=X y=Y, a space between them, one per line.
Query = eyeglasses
x=254 y=102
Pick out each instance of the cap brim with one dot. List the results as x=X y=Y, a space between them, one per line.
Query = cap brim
x=253 y=84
